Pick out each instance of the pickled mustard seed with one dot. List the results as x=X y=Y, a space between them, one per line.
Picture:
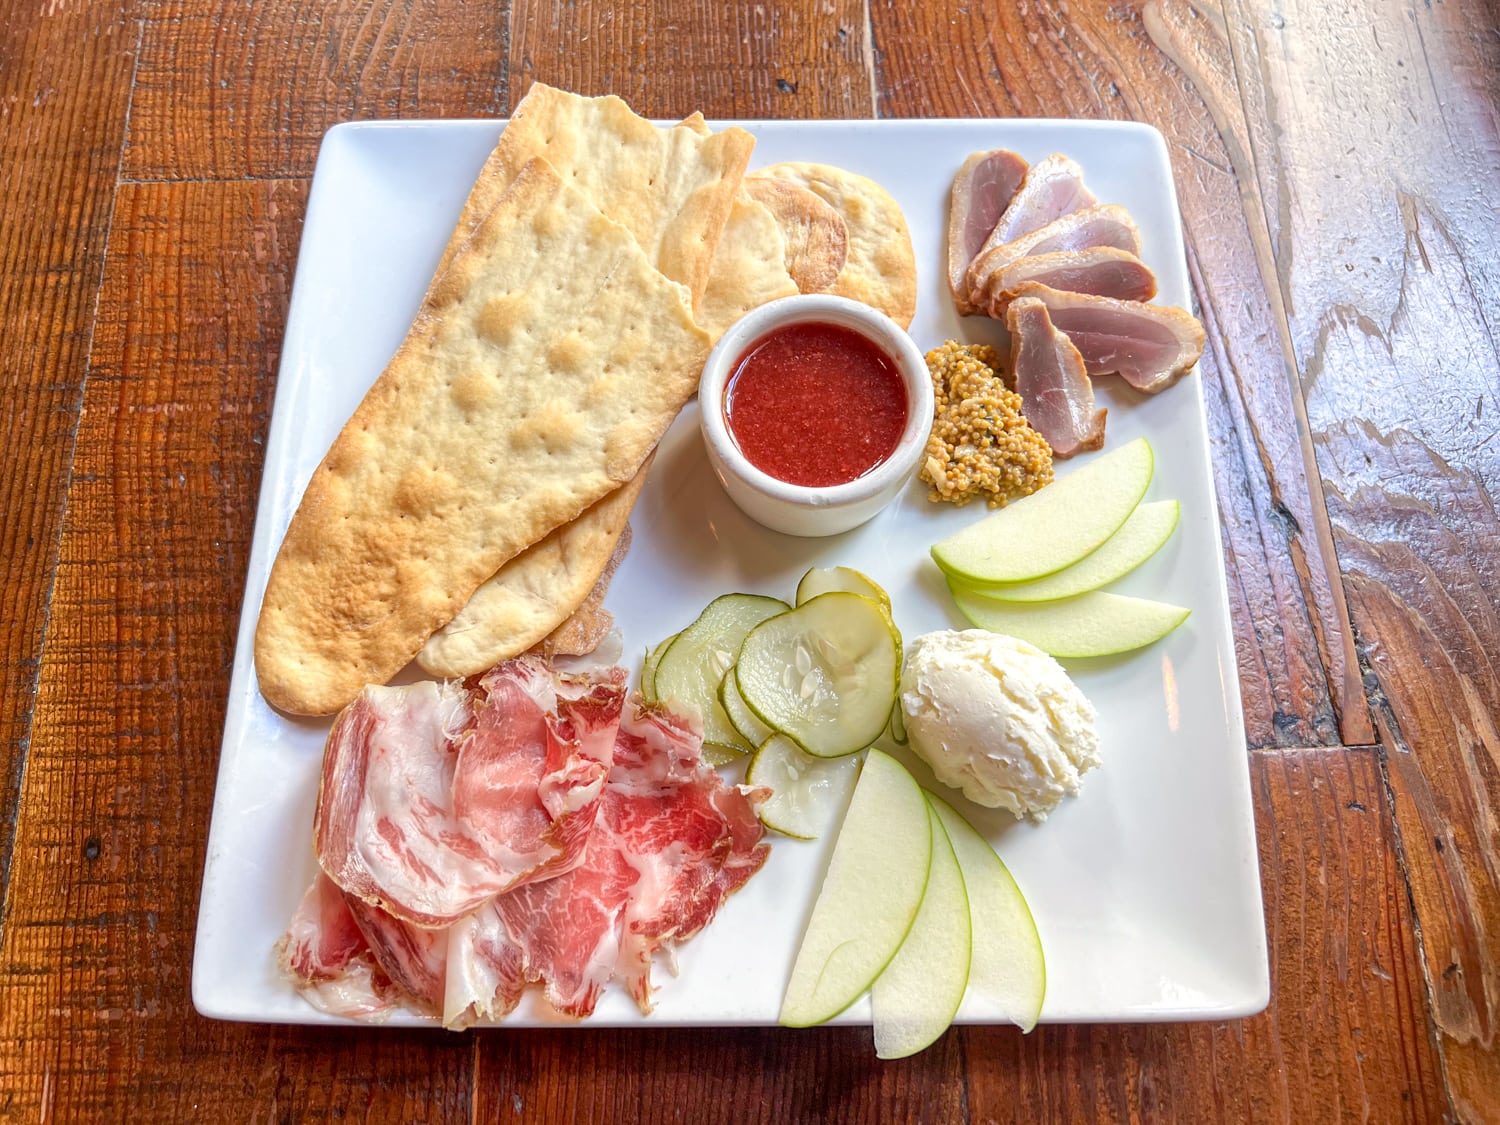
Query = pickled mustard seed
x=981 y=443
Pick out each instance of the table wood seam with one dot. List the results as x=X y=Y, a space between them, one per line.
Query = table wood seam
x=1419 y=939
x=1276 y=284
x=34 y=674
x=1354 y=722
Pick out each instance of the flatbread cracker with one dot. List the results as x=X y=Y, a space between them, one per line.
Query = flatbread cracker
x=672 y=188
x=749 y=268
x=817 y=239
x=536 y=592
x=543 y=367
x=590 y=623
x=881 y=269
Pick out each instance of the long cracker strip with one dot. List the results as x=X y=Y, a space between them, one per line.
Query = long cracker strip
x=585 y=630
x=544 y=366
x=535 y=592
x=671 y=187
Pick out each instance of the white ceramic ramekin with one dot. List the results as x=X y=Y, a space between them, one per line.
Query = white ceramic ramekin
x=798 y=509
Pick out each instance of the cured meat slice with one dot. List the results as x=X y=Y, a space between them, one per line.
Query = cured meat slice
x=528 y=776
x=414 y=960
x=434 y=799
x=1106 y=225
x=486 y=970
x=322 y=937
x=385 y=829
x=670 y=843
x=567 y=930
x=1056 y=394
x=1053 y=187
x=324 y=952
x=1101 y=270
x=692 y=840
x=1149 y=346
x=982 y=189
x=643 y=844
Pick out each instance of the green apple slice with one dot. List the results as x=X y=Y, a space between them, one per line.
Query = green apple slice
x=870 y=895
x=1054 y=527
x=807 y=793
x=915 y=999
x=1007 y=966
x=1092 y=624
x=1139 y=537
x=828 y=579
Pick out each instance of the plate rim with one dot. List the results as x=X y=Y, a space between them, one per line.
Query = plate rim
x=1251 y=998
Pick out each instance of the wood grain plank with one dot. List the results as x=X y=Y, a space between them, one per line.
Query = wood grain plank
x=1439 y=702
x=64 y=95
x=230 y=88
x=95 y=962
x=712 y=1075
x=1385 y=234
x=670 y=57
x=1345 y=1036
x=1297 y=671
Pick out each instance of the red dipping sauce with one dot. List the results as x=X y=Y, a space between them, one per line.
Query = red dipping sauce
x=815 y=404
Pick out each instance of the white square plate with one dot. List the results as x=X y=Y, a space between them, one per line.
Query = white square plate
x=1145 y=888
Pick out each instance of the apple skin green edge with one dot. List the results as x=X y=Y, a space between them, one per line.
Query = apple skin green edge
x=1007 y=965
x=1143 y=533
x=1089 y=625
x=915 y=998
x=1055 y=527
x=870 y=896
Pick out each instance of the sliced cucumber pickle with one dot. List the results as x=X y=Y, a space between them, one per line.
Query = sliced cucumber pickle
x=648 y=668
x=897 y=727
x=717 y=755
x=825 y=674
x=740 y=716
x=833 y=579
x=807 y=793
x=690 y=669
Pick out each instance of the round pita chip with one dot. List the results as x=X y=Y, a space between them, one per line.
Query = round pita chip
x=749 y=268
x=880 y=266
x=817 y=241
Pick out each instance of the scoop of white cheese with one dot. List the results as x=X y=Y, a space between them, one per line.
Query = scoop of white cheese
x=998 y=718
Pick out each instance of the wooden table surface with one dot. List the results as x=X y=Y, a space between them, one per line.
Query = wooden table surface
x=1338 y=164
